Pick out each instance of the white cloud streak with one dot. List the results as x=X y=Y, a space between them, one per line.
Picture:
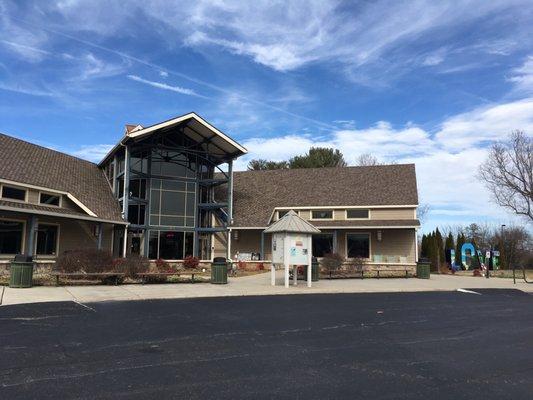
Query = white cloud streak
x=164 y=86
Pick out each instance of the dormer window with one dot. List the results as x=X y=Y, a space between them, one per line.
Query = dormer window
x=48 y=199
x=322 y=214
x=13 y=193
x=357 y=213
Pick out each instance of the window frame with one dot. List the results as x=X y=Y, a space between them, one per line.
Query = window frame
x=332 y=234
x=3 y=185
x=50 y=194
x=355 y=219
x=369 y=244
x=58 y=235
x=23 y=241
x=312 y=218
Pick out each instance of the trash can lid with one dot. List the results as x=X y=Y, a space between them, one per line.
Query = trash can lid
x=219 y=260
x=23 y=258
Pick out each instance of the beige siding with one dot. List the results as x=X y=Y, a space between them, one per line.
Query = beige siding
x=392 y=213
x=305 y=214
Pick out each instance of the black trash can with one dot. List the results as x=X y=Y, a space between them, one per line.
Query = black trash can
x=423 y=267
x=21 y=272
x=219 y=271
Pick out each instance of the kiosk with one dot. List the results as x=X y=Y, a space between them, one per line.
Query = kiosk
x=291 y=246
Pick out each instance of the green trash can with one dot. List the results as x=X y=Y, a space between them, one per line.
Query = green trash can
x=219 y=271
x=315 y=268
x=21 y=272
x=423 y=267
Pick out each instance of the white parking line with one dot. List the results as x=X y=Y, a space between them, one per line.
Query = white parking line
x=467 y=291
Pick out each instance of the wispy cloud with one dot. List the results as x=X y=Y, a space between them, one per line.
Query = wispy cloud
x=16 y=88
x=164 y=86
x=522 y=76
x=94 y=153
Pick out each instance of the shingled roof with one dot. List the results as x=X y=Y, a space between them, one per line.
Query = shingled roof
x=31 y=164
x=257 y=193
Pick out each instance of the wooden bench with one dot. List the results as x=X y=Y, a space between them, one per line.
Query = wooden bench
x=361 y=273
x=406 y=270
x=115 y=275
x=145 y=275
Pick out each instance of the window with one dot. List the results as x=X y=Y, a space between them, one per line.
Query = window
x=170 y=245
x=358 y=245
x=322 y=244
x=136 y=214
x=357 y=214
x=172 y=203
x=46 y=240
x=10 y=192
x=11 y=233
x=322 y=214
x=49 y=199
x=281 y=213
x=138 y=188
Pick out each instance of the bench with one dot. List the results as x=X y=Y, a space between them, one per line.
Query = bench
x=361 y=272
x=145 y=275
x=115 y=275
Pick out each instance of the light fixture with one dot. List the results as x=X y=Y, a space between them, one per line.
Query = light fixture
x=379 y=236
x=236 y=235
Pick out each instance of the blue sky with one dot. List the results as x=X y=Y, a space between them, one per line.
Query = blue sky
x=429 y=82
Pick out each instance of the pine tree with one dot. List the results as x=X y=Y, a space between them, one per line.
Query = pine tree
x=424 y=246
x=439 y=247
x=449 y=246
x=460 y=241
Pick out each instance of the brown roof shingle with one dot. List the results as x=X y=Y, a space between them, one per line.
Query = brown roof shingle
x=257 y=193
x=31 y=164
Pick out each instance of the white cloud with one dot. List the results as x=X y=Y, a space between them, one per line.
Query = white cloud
x=522 y=76
x=163 y=74
x=486 y=123
x=446 y=161
x=164 y=86
x=94 y=153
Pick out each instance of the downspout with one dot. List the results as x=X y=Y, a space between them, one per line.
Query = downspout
x=230 y=207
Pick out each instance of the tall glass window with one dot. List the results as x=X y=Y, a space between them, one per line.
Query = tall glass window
x=170 y=245
x=358 y=245
x=322 y=244
x=46 y=240
x=172 y=203
x=11 y=233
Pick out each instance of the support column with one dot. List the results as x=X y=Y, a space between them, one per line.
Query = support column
x=30 y=243
x=230 y=207
x=262 y=249
x=146 y=247
x=335 y=242
x=126 y=197
x=125 y=242
x=416 y=246
x=310 y=261
x=100 y=234
x=286 y=274
x=272 y=275
x=295 y=275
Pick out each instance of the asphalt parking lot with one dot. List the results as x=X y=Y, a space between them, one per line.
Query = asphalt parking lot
x=437 y=345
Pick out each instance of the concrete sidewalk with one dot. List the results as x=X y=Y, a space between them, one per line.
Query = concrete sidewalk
x=250 y=286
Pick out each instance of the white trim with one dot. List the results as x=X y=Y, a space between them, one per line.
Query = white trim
x=177 y=120
x=81 y=205
x=52 y=194
x=357 y=219
x=369 y=245
x=416 y=245
x=369 y=227
x=347 y=207
x=23 y=243
x=27 y=185
x=43 y=256
x=54 y=214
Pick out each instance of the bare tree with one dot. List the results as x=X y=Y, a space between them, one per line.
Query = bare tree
x=508 y=174
x=515 y=245
x=366 y=160
x=422 y=212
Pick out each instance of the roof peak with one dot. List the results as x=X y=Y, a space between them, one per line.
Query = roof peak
x=327 y=168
